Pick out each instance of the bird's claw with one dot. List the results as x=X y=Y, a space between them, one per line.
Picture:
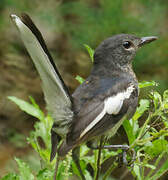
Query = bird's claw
x=123 y=157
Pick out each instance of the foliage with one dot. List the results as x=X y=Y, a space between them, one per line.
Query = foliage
x=90 y=51
x=149 y=141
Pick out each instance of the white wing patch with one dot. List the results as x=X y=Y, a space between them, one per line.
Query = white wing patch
x=112 y=105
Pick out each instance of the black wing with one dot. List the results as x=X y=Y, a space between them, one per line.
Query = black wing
x=106 y=105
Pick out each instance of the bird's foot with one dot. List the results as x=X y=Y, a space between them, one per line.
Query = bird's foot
x=123 y=157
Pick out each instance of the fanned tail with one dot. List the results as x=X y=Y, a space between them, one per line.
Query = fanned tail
x=57 y=96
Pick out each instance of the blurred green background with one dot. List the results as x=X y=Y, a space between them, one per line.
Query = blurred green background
x=66 y=25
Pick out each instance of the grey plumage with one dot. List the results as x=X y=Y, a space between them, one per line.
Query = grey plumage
x=85 y=115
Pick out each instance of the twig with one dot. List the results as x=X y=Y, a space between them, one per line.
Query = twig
x=152 y=125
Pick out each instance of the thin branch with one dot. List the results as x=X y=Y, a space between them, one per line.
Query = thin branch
x=141 y=131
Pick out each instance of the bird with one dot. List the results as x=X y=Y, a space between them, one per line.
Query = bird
x=98 y=106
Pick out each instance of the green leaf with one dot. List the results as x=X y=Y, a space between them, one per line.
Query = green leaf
x=24 y=170
x=27 y=107
x=158 y=146
x=87 y=175
x=106 y=154
x=150 y=166
x=144 y=105
x=90 y=51
x=165 y=95
x=79 y=79
x=61 y=170
x=45 y=174
x=37 y=107
x=83 y=165
x=75 y=169
x=129 y=131
x=10 y=176
x=144 y=84
x=136 y=170
x=165 y=100
x=157 y=99
x=84 y=150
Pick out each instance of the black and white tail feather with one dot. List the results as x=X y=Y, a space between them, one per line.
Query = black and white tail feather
x=58 y=99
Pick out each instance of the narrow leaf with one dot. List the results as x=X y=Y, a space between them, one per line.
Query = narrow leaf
x=90 y=51
x=27 y=107
x=129 y=131
x=144 y=105
x=79 y=79
x=144 y=84
x=136 y=170
x=157 y=99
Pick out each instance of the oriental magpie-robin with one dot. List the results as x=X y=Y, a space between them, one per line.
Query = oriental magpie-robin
x=99 y=106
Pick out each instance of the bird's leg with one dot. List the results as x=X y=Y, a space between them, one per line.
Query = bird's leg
x=75 y=156
x=55 y=139
x=124 y=148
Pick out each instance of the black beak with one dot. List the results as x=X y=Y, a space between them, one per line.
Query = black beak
x=146 y=40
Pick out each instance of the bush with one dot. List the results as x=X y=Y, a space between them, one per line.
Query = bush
x=149 y=142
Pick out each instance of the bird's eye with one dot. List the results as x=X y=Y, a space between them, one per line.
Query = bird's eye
x=127 y=44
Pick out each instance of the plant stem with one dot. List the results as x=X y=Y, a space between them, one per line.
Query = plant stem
x=56 y=168
x=97 y=171
x=141 y=131
x=109 y=171
x=68 y=165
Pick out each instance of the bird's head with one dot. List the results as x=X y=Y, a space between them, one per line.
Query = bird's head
x=119 y=50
